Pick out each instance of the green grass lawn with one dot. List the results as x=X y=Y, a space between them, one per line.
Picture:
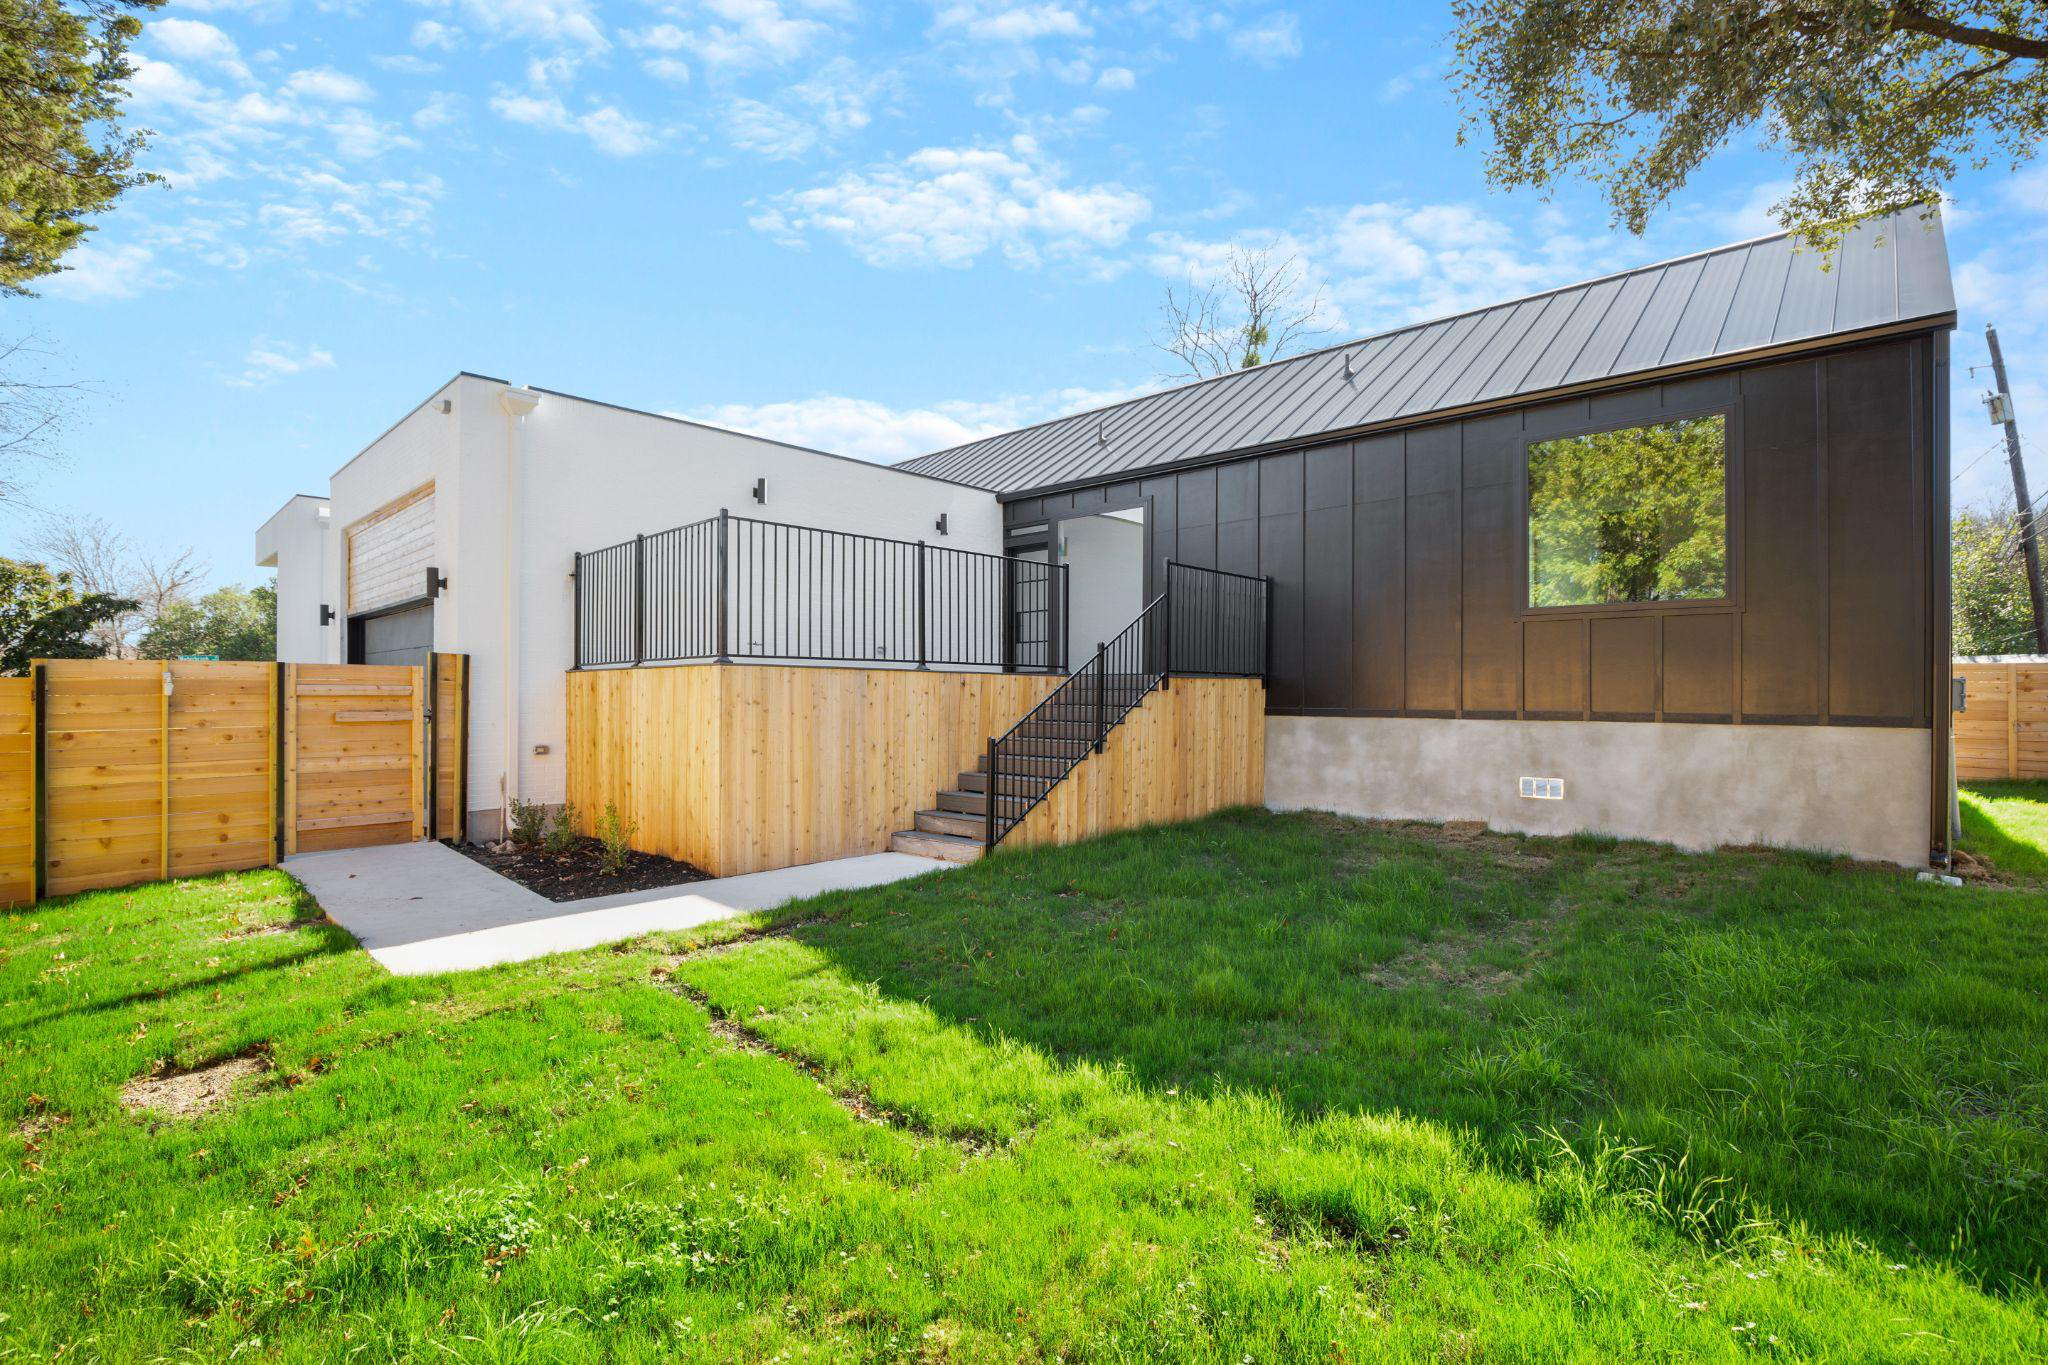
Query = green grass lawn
x=2007 y=822
x=1256 y=1088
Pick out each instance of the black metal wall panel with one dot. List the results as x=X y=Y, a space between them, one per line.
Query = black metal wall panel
x=1398 y=559
x=1784 y=543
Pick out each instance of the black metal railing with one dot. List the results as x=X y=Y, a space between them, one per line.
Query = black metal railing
x=1206 y=622
x=1217 y=621
x=736 y=587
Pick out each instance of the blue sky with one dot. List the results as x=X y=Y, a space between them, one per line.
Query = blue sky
x=876 y=228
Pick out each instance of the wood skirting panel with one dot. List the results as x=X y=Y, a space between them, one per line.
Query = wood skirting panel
x=1196 y=747
x=741 y=767
x=2003 y=729
x=17 y=792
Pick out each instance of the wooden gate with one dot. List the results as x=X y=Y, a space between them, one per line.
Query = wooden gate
x=354 y=738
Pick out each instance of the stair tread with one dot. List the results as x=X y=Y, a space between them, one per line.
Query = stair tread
x=926 y=844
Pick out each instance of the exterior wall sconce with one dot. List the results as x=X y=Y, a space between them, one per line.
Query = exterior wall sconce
x=761 y=491
x=941 y=523
x=436 y=581
x=326 y=614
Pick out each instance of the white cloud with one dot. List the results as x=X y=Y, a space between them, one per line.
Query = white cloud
x=951 y=205
x=610 y=129
x=440 y=110
x=269 y=361
x=192 y=40
x=996 y=22
x=671 y=69
x=435 y=34
x=740 y=34
x=1116 y=78
x=830 y=106
x=1272 y=39
x=868 y=430
x=325 y=85
x=1403 y=84
x=573 y=22
x=97 y=274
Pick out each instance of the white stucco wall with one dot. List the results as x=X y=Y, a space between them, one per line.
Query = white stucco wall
x=589 y=475
x=296 y=543
x=1859 y=790
x=1105 y=559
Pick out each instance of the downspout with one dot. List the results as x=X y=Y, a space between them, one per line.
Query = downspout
x=517 y=404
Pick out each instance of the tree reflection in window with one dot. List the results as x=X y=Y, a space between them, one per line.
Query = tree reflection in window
x=1636 y=515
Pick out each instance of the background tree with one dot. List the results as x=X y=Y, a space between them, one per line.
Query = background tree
x=64 y=155
x=1878 y=103
x=1258 y=309
x=44 y=615
x=104 y=560
x=228 y=623
x=1992 y=613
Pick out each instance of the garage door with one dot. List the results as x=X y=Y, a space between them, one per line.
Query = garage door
x=398 y=637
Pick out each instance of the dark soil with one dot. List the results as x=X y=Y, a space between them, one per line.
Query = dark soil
x=574 y=876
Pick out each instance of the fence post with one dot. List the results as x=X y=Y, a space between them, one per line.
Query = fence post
x=724 y=582
x=1166 y=634
x=1101 y=694
x=639 y=599
x=1266 y=631
x=921 y=653
x=576 y=598
x=39 y=760
x=1008 y=614
x=995 y=786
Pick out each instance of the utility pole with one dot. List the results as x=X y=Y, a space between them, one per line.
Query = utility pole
x=2030 y=545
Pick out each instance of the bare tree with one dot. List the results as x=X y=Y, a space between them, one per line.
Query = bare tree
x=102 y=559
x=1258 y=309
x=32 y=411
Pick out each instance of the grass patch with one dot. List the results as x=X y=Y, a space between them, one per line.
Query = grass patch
x=1266 y=1087
x=2006 y=823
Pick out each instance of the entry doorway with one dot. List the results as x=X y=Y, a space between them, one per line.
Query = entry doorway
x=1105 y=558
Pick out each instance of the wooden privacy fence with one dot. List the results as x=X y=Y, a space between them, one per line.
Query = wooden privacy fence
x=121 y=771
x=2002 y=730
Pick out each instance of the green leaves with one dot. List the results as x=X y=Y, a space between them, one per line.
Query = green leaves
x=44 y=616
x=1989 y=584
x=227 y=623
x=63 y=153
x=1877 y=104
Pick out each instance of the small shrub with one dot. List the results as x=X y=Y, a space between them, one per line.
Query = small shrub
x=615 y=840
x=561 y=836
x=528 y=820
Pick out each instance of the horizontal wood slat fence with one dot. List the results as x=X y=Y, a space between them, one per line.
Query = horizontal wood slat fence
x=117 y=771
x=2002 y=731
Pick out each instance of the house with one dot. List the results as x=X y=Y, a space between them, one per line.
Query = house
x=457 y=530
x=1660 y=555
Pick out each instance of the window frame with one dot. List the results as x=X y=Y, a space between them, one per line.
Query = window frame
x=1730 y=413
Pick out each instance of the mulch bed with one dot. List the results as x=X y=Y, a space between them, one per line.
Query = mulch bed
x=574 y=876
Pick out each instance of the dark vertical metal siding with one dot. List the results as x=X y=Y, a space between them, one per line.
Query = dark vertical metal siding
x=1398 y=574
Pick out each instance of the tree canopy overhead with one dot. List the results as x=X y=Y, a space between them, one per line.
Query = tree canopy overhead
x=64 y=155
x=1877 y=104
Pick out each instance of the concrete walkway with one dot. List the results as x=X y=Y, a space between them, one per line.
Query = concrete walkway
x=424 y=908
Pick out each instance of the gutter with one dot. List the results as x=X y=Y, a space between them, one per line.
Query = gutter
x=517 y=404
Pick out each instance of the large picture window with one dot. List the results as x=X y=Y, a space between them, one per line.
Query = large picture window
x=1635 y=515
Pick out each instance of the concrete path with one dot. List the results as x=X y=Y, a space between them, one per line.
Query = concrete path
x=424 y=908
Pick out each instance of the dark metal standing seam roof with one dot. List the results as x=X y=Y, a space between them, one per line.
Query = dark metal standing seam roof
x=1698 y=310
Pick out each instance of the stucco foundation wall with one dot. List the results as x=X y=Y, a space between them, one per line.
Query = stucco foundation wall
x=1859 y=790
